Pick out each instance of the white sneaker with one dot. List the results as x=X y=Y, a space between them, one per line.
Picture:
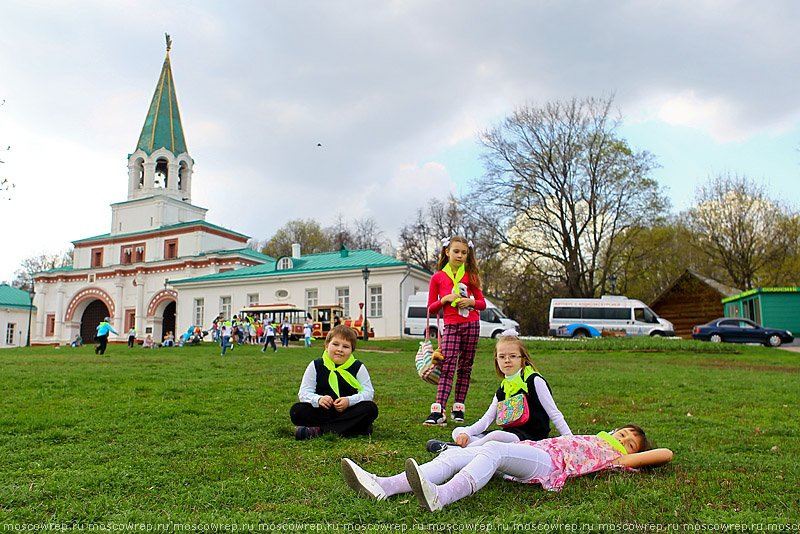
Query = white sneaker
x=427 y=494
x=361 y=481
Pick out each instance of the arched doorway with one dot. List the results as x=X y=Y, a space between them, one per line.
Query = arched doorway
x=168 y=320
x=92 y=316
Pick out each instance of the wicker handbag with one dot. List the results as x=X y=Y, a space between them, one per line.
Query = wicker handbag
x=428 y=367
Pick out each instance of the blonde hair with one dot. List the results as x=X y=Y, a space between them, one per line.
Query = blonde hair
x=523 y=352
x=470 y=265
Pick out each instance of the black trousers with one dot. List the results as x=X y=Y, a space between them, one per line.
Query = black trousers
x=101 y=348
x=356 y=420
x=131 y=341
x=270 y=340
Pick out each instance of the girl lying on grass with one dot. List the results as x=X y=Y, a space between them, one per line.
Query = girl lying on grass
x=458 y=472
x=521 y=382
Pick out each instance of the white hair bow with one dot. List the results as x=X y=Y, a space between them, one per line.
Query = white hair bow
x=511 y=332
x=470 y=244
x=445 y=242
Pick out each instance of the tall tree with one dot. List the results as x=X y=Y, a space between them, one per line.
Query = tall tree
x=566 y=191
x=43 y=261
x=307 y=233
x=745 y=232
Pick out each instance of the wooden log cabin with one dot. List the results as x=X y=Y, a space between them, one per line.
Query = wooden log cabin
x=692 y=300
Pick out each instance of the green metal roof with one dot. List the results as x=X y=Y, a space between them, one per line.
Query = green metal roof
x=761 y=290
x=162 y=127
x=161 y=228
x=11 y=297
x=327 y=261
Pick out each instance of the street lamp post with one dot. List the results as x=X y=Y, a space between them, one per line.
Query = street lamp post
x=30 y=313
x=365 y=274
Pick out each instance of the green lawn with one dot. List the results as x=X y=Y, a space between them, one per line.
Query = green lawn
x=186 y=436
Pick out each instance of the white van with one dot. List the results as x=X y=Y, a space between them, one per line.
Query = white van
x=610 y=315
x=493 y=322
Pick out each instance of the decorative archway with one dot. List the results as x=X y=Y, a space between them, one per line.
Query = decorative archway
x=161 y=312
x=93 y=314
x=83 y=298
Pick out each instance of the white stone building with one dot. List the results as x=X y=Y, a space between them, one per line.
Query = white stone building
x=15 y=311
x=158 y=238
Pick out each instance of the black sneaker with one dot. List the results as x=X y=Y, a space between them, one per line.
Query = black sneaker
x=457 y=416
x=435 y=419
x=306 y=432
x=436 y=446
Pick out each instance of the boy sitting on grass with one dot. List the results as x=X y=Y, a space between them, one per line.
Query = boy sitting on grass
x=336 y=392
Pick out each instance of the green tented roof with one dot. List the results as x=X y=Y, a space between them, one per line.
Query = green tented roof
x=11 y=297
x=327 y=261
x=162 y=127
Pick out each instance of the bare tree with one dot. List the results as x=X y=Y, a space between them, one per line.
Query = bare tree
x=743 y=230
x=421 y=240
x=39 y=263
x=367 y=235
x=565 y=190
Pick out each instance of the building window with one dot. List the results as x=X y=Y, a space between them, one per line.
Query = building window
x=130 y=320
x=199 y=311
x=138 y=252
x=285 y=263
x=170 y=249
x=225 y=307
x=252 y=299
x=97 y=257
x=51 y=324
x=343 y=298
x=312 y=298
x=376 y=301
x=126 y=255
x=10 y=333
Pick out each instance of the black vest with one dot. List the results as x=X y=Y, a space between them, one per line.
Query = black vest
x=324 y=388
x=538 y=425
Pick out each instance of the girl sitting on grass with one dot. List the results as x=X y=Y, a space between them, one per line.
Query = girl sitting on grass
x=513 y=364
x=459 y=472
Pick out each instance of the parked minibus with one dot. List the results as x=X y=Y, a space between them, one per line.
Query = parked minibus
x=610 y=315
x=493 y=322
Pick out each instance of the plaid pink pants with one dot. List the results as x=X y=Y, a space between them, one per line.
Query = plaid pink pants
x=459 y=342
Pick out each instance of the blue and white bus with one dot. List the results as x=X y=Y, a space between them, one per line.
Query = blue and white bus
x=610 y=315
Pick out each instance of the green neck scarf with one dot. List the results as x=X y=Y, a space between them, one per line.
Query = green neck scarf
x=611 y=440
x=518 y=382
x=342 y=371
x=455 y=278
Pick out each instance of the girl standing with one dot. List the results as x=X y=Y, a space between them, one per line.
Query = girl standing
x=457 y=289
x=513 y=364
x=457 y=472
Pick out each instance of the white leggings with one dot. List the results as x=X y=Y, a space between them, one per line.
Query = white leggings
x=480 y=463
x=494 y=435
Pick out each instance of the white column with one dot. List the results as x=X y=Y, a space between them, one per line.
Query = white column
x=186 y=184
x=149 y=176
x=41 y=311
x=140 y=310
x=119 y=316
x=172 y=176
x=59 y=312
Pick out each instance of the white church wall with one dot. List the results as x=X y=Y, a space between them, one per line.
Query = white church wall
x=13 y=327
x=295 y=289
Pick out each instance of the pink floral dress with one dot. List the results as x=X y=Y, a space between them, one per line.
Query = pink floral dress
x=573 y=456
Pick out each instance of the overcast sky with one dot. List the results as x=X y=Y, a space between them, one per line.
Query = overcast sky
x=395 y=91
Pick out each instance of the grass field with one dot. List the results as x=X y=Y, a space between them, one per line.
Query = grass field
x=185 y=436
